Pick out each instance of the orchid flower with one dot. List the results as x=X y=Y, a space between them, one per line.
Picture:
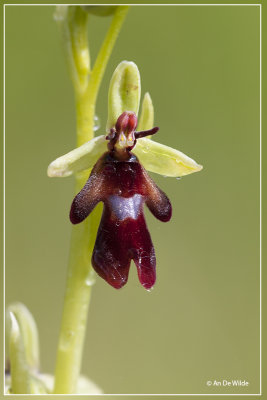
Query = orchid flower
x=119 y=179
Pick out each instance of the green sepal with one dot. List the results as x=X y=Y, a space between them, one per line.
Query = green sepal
x=164 y=160
x=154 y=156
x=79 y=159
x=124 y=92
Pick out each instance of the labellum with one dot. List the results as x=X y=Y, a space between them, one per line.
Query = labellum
x=124 y=186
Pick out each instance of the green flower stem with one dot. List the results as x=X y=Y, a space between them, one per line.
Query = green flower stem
x=77 y=299
x=79 y=278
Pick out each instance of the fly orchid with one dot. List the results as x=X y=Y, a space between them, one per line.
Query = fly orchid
x=122 y=183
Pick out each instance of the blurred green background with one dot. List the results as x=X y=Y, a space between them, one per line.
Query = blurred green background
x=201 y=321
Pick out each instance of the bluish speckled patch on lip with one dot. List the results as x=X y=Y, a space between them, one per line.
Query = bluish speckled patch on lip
x=125 y=207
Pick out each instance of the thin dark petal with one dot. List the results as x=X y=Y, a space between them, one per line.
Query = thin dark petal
x=82 y=205
x=160 y=206
x=157 y=201
x=148 y=132
x=89 y=196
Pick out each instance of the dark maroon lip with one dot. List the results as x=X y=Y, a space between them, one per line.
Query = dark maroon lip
x=123 y=185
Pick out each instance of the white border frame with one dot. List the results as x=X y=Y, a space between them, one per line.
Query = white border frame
x=138 y=394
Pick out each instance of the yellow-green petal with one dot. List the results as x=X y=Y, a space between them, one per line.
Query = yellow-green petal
x=124 y=92
x=164 y=160
x=79 y=159
x=146 y=120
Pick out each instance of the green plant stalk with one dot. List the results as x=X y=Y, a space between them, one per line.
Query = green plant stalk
x=86 y=101
x=79 y=277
